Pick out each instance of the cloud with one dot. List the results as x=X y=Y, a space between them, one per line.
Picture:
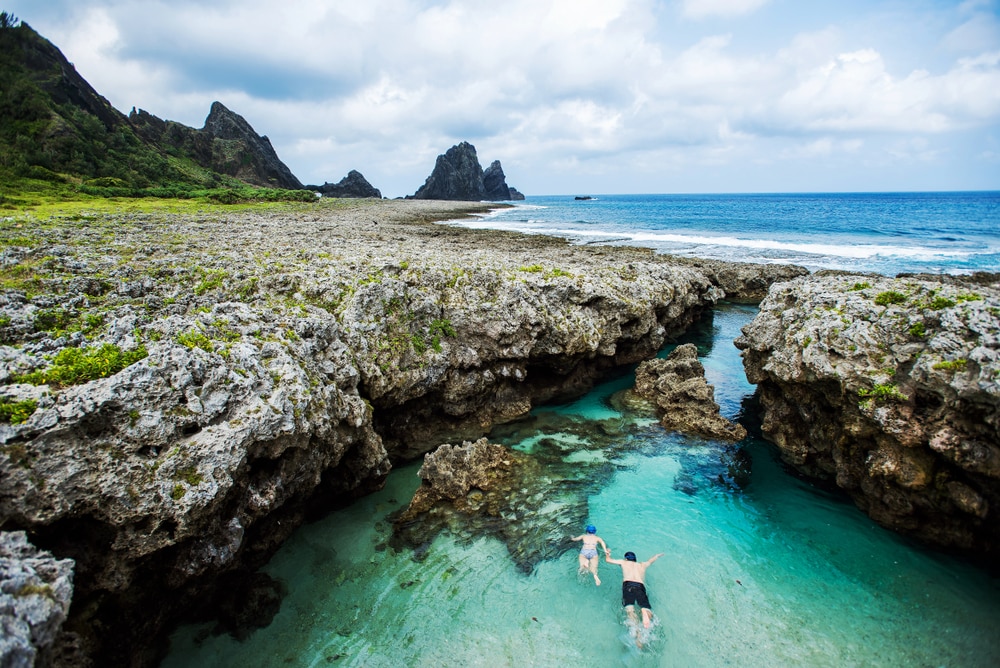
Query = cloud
x=855 y=92
x=700 y=9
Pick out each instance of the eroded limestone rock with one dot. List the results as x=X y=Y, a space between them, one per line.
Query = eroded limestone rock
x=35 y=594
x=891 y=389
x=684 y=399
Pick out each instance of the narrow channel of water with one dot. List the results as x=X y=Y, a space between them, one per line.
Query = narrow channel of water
x=767 y=572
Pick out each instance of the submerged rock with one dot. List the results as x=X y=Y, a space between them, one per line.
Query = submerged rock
x=685 y=400
x=483 y=488
x=479 y=488
x=532 y=502
x=452 y=472
x=888 y=387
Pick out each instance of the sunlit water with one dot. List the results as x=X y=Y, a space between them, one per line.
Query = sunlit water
x=777 y=573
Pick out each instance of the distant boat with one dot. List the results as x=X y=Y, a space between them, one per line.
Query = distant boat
x=583 y=197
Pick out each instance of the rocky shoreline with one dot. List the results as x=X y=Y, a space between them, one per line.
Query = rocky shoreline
x=262 y=366
x=180 y=392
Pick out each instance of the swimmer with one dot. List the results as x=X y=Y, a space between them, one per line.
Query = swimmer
x=588 y=554
x=634 y=588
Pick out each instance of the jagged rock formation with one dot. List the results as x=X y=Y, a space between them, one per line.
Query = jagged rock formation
x=515 y=196
x=352 y=185
x=181 y=138
x=889 y=389
x=744 y=282
x=495 y=183
x=240 y=152
x=458 y=175
x=35 y=594
x=289 y=359
x=684 y=399
x=451 y=472
x=226 y=145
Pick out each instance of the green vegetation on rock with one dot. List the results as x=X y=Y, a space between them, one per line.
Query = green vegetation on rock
x=60 y=140
x=72 y=366
x=16 y=412
x=952 y=365
x=883 y=392
x=890 y=297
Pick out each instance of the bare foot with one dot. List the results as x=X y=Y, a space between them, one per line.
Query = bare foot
x=597 y=581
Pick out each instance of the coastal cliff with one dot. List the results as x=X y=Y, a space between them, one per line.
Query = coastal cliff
x=180 y=392
x=889 y=388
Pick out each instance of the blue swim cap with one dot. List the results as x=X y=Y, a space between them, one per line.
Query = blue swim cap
x=630 y=556
x=591 y=528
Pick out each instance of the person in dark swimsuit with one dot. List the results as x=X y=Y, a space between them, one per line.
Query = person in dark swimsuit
x=634 y=588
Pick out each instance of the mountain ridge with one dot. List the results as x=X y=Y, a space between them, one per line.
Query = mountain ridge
x=57 y=127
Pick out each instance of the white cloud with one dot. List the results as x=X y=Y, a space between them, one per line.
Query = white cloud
x=855 y=92
x=699 y=9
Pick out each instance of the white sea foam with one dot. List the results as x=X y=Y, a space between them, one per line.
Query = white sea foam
x=846 y=250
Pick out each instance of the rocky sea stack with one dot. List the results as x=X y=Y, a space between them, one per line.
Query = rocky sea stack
x=889 y=388
x=458 y=175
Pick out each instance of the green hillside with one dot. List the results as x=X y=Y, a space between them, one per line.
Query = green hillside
x=60 y=139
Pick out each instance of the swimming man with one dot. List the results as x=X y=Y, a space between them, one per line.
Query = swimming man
x=634 y=586
x=588 y=554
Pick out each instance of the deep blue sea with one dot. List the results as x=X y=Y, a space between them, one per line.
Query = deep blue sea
x=889 y=233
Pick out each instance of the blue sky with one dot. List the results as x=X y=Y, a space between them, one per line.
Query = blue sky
x=572 y=96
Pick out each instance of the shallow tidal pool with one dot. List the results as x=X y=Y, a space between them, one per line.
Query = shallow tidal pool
x=768 y=572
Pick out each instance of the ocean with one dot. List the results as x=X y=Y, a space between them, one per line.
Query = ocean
x=888 y=233
x=760 y=570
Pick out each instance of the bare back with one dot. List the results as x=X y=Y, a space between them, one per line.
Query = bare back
x=634 y=571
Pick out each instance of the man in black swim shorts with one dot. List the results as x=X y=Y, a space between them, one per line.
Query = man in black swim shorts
x=634 y=586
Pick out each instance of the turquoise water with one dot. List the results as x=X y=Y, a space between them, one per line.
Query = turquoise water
x=773 y=573
x=951 y=232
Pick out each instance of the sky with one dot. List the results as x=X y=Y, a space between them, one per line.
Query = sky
x=571 y=96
